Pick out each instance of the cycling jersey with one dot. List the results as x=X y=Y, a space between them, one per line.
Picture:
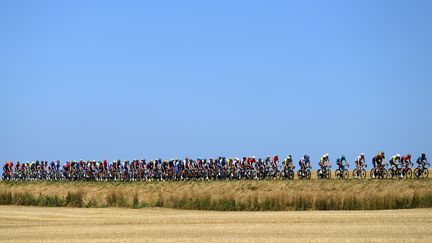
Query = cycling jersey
x=406 y=159
x=359 y=159
x=341 y=159
x=303 y=161
x=421 y=160
x=394 y=160
x=6 y=166
x=323 y=161
x=287 y=162
x=377 y=160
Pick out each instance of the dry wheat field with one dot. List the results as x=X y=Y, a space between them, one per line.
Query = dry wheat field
x=253 y=211
x=225 y=195
x=43 y=224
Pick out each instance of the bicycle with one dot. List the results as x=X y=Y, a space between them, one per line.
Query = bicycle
x=422 y=171
x=324 y=173
x=306 y=175
x=342 y=173
x=394 y=171
x=359 y=172
x=406 y=171
x=288 y=173
x=379 y=172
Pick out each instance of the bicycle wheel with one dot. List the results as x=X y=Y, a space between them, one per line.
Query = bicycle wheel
x=278 y=175
x=384 y=174
x=408 y=173
x=284 y=174
x=399 y=174
x=308 y=174
x=328 y=176
x=425 y=173
x=417 y=173
x=290 y=174
x=390 y=173
x=299 y=174
x=337 y=174
x=363 y=173
x=373 y=174
x=345 y=174
x=354 y=173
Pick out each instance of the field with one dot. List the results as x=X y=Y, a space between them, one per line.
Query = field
x=225 y=195
x=42 y=224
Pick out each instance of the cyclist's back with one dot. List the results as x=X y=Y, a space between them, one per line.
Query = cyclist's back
x=406 y=160
x=288 y=162
x=340 y=162
x=395 y=160
x=377 y=160
x=360 y=160
x=324 y=161
x=422 y=160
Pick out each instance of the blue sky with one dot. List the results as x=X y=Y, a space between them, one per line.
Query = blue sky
x=132 y=79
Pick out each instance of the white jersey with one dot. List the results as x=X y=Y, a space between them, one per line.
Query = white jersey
x=359 y=159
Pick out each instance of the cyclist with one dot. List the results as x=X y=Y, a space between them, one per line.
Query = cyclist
x=406 y=160
x=51 y=165
x=324 y=163
x=341 y=162
x=378 y=159
x=395 y=161
x=360 y=161
x=303 y=163
x=275 y=161
x=267 y=162
x=6 y=167
x=57 y=166
x=32 y=166
x=288 y=162
x=422 y=161
x=11 y=164
x=17 y=166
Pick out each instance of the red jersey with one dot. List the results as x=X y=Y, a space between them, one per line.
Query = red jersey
x=405 y=158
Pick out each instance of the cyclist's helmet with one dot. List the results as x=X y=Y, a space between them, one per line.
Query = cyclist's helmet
x=409 y=155
x=423 y=155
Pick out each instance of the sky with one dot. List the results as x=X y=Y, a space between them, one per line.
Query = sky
x=162 y=79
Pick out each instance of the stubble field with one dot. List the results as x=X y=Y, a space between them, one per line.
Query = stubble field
x=43 y=224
